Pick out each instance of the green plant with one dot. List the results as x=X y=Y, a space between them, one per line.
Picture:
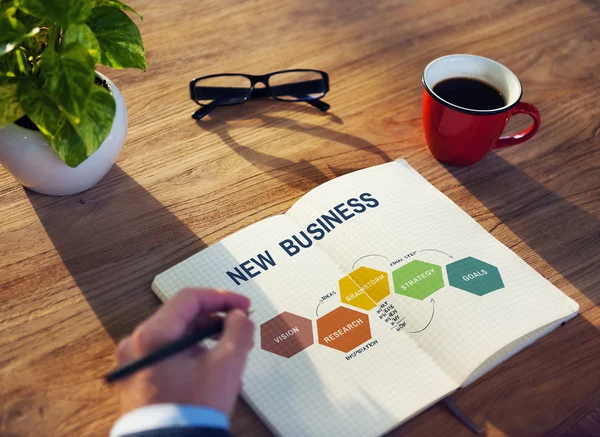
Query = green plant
x=48 y=53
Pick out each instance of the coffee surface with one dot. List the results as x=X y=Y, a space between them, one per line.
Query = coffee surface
x=469 y=93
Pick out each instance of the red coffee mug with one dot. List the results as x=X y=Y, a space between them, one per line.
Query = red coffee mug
x=462 y=136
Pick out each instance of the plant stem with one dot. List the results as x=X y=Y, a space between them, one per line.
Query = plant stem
x=53 y=34
x=36 y=66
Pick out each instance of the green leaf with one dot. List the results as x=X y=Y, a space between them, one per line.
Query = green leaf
x=8 y=7
x=69 y=76
x=63 y=12
x=73 y=143
x=40 y=108
x=14 y=64
x=29 y=21
x=115 y=4
x=119 y=38
x=82 y=34
x=12 y=32
x=76 y=143
x=97 y=119
x=11 y=107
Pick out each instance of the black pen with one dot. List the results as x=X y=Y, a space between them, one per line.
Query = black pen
x=166 y=351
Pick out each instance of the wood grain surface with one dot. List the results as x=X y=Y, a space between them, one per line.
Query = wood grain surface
x=76 y=271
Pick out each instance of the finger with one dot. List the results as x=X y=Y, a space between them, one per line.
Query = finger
x=215 y=337
x=237 y=336
x=173 y=320
x=124 y=352
x=204 y=320
x=196 y=351
x=192 y=304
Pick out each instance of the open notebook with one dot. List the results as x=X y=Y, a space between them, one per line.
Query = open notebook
x=374 y=296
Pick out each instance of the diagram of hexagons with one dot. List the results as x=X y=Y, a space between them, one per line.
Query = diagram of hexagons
x=475 y=276
x=286 y=334
x=364 y=287
x=343 y=329
x=418 y=279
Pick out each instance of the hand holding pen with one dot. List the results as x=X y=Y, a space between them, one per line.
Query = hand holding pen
x=192 y=375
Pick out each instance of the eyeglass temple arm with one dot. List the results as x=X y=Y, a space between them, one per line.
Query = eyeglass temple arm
x=319 y=104
x=203 y=111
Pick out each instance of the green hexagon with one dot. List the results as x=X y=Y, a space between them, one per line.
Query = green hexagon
x=418 y=279
x=474 y=276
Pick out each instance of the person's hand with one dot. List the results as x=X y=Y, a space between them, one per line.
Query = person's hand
x=198 y=376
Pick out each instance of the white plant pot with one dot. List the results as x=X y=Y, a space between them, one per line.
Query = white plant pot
x=26 y=154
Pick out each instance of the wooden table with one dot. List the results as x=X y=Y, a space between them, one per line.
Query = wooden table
x=76 y=271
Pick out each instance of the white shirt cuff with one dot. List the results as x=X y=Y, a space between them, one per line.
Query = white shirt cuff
x=168 y=416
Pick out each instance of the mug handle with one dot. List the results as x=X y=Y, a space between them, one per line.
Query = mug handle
x=524 y=135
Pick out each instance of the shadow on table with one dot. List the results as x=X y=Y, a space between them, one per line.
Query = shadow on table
x=301 y=175
x=114 y=238
x=565 y=235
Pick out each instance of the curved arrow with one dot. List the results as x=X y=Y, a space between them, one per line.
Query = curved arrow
x=435 y=250
x=317 y=310
x=432 y=313
x=366 y=256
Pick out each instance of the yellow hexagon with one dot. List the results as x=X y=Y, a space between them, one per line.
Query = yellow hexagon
x=364 y=287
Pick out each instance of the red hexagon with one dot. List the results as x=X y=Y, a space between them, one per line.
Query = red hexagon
x=343 y=329
x=286 y=334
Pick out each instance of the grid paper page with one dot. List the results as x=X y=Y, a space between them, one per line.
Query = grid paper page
x=417 y=234
x=318 y=390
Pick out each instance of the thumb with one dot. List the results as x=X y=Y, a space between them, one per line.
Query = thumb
x=237 y=338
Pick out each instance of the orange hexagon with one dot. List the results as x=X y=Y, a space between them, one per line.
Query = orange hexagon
x=343 y=329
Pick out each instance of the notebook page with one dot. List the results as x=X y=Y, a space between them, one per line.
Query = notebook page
x=416 y=236
x=338 y=377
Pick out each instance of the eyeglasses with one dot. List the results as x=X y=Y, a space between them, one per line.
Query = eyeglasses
x=233 y=89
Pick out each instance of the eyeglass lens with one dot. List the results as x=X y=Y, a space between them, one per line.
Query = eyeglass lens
x=222 y=90
x=297 y=85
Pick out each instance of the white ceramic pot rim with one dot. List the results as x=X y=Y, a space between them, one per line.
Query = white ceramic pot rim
x=476 y=67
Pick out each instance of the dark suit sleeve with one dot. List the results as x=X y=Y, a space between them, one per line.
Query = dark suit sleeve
x=182 y=432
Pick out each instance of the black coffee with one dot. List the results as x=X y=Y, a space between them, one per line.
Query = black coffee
x=469 y=93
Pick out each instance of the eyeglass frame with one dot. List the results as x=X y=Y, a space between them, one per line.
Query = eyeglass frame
x=264 y=92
